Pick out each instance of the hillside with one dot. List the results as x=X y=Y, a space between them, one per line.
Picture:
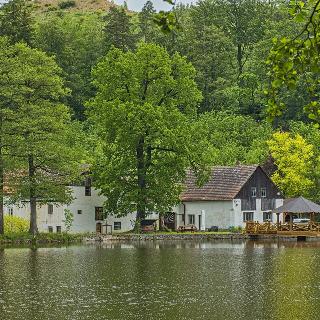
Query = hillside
x=72 y=5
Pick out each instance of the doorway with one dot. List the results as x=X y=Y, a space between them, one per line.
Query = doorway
x=99 y=227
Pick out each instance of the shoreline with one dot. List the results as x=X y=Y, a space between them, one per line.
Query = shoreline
x=196 y=237
x=58 y=239
x=41 y=239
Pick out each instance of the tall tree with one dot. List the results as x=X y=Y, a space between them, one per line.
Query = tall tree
x=43 y=137
x=212 y=54
x=243 y=20
x=16 y=21
x=9 y=84
x=146 y=22
x=118 y=29
x=77 y=42
x=144 y=115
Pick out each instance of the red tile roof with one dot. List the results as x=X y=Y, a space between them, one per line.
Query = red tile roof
x=223 y=184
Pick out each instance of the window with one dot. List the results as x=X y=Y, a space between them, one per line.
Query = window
x=10 y=211
x=99 y=213
x=79 y=211
x=247 y=216
x=191 y=218
x=87 y=191
x=267 y=216
x=117 y=225
x=253 y=192
x=50 y=209
x=58 y=229
x=50 y=229
x=263 y=192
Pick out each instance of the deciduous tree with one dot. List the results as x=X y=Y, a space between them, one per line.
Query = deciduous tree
x=144 y=113
x=295 y=160
x=16 y=21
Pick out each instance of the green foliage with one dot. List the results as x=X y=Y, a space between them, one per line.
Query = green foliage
x=146 y=22
x=16 y=21
x=43 y=140
x=118 y=29
x=14 y=224
x=67 y=4
x=236 y=138
x=41 y=238
x=296 y=161
x=294 y=58
x=68 y=219
x=77 y=42
x=144 y=115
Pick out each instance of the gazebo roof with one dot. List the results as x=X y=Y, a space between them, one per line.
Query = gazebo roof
x=299 y=205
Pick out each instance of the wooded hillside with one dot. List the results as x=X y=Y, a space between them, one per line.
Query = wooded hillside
x=219 y=82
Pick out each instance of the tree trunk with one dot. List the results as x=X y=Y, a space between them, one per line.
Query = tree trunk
x=239 y=59
x=1 y=192
x=32 y=197
x=141 y=174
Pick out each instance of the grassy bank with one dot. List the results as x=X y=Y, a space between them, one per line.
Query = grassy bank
x=26 y=238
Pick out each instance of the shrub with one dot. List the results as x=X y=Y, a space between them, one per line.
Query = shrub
x=67 y=4
x=13 y=224
x=234 y=229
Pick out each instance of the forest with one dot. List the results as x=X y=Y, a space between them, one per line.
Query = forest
x=143 y=96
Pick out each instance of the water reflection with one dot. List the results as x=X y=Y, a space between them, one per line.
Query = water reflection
x=162 y=280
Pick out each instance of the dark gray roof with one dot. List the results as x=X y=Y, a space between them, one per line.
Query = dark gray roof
x=224 y=184
x=298 y=205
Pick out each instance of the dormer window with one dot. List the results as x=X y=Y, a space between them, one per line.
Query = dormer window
x=253 y=192
x=263 y=192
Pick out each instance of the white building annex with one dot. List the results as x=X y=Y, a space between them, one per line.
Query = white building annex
x=232 y=196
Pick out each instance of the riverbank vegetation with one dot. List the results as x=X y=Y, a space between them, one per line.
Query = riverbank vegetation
x=45 y=238
x=142 y=104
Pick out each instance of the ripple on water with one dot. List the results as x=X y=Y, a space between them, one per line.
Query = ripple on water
x=207 y=280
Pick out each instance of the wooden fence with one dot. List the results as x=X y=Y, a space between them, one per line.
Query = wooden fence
x=254 y=227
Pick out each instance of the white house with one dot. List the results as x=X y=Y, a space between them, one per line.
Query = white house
x=232 y=196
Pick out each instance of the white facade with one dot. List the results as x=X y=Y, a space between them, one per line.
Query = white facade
x=203 y=214
x=83 y=207
x=223 y=214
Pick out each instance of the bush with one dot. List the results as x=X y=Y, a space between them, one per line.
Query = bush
x=234 y=229
x=13 y=224
x=67 y=4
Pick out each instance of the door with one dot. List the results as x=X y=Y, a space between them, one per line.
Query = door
x=99 y=227
x=199 y=223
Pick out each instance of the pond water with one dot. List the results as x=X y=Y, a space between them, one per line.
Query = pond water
x=162 y=280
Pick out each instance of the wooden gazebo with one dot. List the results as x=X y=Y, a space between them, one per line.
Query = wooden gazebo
x=293 y=208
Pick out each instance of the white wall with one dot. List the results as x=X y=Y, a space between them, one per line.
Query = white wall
x=257 y=214
x=44 y=220
x=84 y=222
x=223 y=214
x=217 y=213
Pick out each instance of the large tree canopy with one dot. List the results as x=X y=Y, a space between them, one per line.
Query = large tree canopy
x=144 y=115
x=16 y=21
